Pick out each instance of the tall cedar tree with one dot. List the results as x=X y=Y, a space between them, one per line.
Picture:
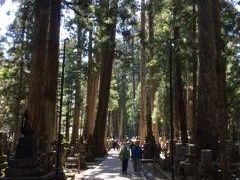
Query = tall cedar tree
x=92 y=88
x=142 y=118
x=195 y=64
x=43 y=83
x=179 y=90
x=222 y=113
x=36 y=98
x=106 y=55
x=211 y=97
x=51 y=72
x=77 y=105
x=153 y=82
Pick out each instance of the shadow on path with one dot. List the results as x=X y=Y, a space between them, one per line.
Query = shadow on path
x=109 y=169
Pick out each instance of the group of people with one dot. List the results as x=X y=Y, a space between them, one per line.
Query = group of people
x=135 y=152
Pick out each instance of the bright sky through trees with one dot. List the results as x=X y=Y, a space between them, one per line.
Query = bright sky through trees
x=7 y=15
x=8 y=10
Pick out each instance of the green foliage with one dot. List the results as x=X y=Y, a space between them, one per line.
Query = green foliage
x=231 y=29
x=124 y=97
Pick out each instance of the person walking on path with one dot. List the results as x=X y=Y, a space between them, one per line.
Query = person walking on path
x=124 y=156
x=136 y=152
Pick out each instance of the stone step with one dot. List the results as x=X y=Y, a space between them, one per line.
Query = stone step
x=49 y=176
x=149 y=160
x=21 y=172
x=71 y=164
x=27 y=162
x=72 y=159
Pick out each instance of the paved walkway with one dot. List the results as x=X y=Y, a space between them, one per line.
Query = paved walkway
x=110 y=168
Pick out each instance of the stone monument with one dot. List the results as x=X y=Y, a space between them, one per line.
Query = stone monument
x=82 y=151
x=25 y=162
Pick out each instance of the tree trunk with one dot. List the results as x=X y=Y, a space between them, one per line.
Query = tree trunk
x=92 y=88
x=142 y=120
x=122 y=104
x=206 y=131
x=120 y=124
x=17 y=107
x=67 y=127
x=76 y=113
x=195 y=66
x=39 y=54
x=222 y=113
x=153 y=82
x=77 y=105
x=180 y=105
x=51 y=66
x=107 y=55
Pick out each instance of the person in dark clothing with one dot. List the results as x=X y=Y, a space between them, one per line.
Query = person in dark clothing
x=114 y=144
x=124 y=156
x=136 y=152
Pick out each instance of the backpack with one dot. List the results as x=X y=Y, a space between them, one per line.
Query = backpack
x=136 y=152
x=124 y=154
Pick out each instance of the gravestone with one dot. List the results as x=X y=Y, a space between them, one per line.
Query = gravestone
x=150 y=148
x=206 y=166
x=189 y=167
x=234 y=157
x=25 y=161
x=82 y=151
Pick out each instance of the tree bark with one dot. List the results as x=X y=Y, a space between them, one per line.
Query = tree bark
x=153 y=82
x=195 y=66
x=206 y=131
x=142 y=119
x=181 y=113
x=51 y=73
x=92 y=88
x=180 y=105
x=107 y=55
x=39 y=54
x=77 y=105
x=222 y=113
x=67 y=127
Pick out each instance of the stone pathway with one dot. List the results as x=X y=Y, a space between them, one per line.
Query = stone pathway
x=110 y=168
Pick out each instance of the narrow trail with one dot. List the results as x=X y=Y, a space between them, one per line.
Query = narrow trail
x=110 y=169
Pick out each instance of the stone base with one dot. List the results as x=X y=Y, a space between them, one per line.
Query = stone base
x=21 y=172
x=60 y=176
x=150 y=148
x=49 y=176
x=25 y=148
x=24 y=163
x=25 y=167
x=189 y=169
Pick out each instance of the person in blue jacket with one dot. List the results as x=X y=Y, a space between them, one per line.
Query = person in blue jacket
x=136 y=152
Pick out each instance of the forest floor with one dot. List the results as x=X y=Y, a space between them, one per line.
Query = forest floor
x=110 y=168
